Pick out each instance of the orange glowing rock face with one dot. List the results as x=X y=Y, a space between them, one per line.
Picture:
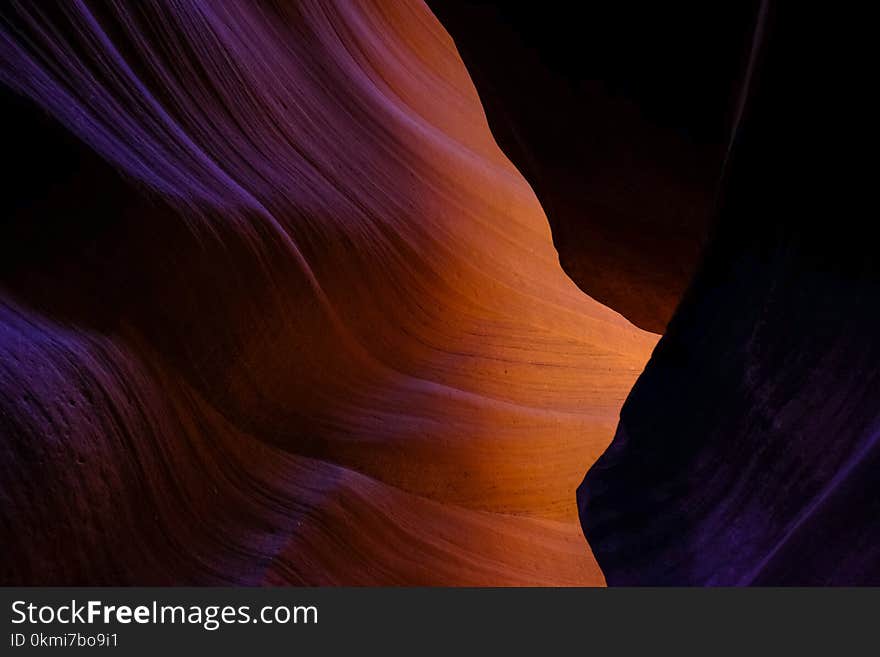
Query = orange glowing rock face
x=373 y=369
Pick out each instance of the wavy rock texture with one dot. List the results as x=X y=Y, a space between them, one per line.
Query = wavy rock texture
x=283 y=312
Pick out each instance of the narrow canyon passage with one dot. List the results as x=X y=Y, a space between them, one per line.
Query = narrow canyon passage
x=283 y=312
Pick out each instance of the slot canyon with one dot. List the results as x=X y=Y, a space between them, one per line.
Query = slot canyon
x=355 y=293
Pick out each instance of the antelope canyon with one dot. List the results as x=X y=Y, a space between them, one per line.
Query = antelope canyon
x=276 y=309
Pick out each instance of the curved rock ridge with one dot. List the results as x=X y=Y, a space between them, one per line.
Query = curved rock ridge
x=618 y=114
x=282 y=311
